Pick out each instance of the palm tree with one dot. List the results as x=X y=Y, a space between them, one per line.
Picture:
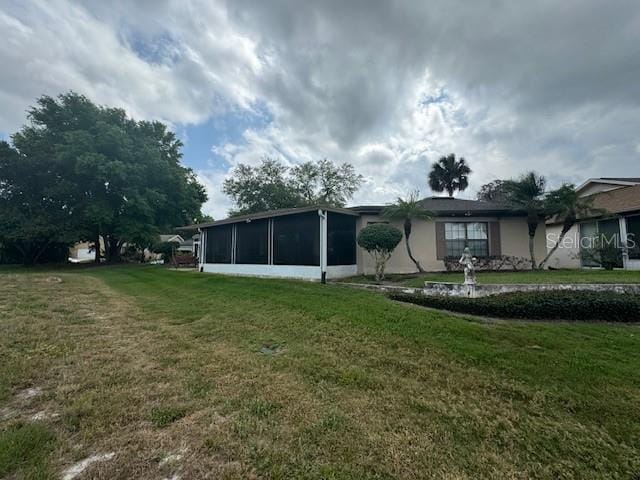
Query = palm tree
x=449 y=174
x=408 y=210
x=568 y=206
x=527 y=194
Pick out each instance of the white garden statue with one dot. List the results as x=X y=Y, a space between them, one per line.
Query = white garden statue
x=469 y=269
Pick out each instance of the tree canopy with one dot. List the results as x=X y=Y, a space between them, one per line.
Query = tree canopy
x=272 y=185
x=494 y=191
x=78 y=171
x=449 y=174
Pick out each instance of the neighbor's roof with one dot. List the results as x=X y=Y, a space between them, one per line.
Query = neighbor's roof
x=447 y=206
x=622 y=181
x=273 y=213
x=170 y=237
x=618 y=201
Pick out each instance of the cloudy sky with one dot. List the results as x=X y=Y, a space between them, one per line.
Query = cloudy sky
x=389 y=86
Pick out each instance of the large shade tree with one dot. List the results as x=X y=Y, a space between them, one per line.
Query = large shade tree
x=35 y=214
x=272 y=185
x=493 y=192
x=449 y=174
x=95 y=173
x=407 y=210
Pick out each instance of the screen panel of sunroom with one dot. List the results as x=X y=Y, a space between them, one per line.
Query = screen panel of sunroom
x=341 y=239
x=296 y=239
x=252 y=242
x=218 y=244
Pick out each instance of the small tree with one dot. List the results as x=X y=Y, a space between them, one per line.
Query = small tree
x=166 y=249
x=527 y=194
x=379 y=239
x=408 y=210
x=605 y=251
x=568 y=206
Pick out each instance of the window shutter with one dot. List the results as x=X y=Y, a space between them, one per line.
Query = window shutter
x=494 y=239
x=441 y=246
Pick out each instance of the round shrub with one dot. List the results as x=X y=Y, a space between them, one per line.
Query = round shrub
x=379 y=236
x=379 y=240
x=563 y=305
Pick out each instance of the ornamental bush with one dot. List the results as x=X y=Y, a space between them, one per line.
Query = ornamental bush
x=379 y=239
x=560 y=305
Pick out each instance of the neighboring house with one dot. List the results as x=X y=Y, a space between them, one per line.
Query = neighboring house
x=620 y=199
x=85 y=252
x=190 y=245
x=174 y=238
x=82 y=252
x=320 y=242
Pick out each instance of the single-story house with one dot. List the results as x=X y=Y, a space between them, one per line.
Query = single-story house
x=190 y=245
x=619 y=200
x=171 y=238
x=320 y=242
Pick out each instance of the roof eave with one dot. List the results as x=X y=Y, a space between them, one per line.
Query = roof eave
x=273 y=214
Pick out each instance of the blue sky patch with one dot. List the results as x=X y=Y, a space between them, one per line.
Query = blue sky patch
x=199 y=140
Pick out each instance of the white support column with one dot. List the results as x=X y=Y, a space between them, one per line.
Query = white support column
x=323 y=244
x=623 y=241
x=233 y=243
x=202 y=250
x=270 y=242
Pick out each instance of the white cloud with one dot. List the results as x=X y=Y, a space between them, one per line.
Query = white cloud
x=388 y=86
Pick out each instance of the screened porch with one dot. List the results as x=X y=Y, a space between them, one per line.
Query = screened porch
x=311 y=243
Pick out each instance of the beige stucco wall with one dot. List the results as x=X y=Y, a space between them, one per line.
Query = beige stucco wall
x=423 y=246
x=513 y=241
x=567 y=254
x=514 y=238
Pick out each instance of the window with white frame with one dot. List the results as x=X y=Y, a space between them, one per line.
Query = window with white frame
x=459 y=235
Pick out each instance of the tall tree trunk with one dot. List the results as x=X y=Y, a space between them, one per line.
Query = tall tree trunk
x=97 y=247
x=32 y=255
x=532 y=226
x=111 y=248
x=563 y=233
x=532 y=253
x=114 y=247
x=418 y=266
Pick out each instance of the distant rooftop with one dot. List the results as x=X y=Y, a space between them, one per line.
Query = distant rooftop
x=622 y=179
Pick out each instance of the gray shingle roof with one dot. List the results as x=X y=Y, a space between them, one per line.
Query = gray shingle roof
x=444 y=206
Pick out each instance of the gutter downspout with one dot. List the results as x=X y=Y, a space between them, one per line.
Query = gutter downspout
x=323 y=246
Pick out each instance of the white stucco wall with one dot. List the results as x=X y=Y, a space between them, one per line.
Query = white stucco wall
x=304 y=272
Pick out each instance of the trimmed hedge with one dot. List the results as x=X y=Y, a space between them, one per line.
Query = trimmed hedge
x=565 y=305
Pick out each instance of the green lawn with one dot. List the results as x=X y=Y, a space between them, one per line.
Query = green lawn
x=193 y=375
x=542 y=276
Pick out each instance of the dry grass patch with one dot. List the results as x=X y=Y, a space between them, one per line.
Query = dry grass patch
x=211 y=377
